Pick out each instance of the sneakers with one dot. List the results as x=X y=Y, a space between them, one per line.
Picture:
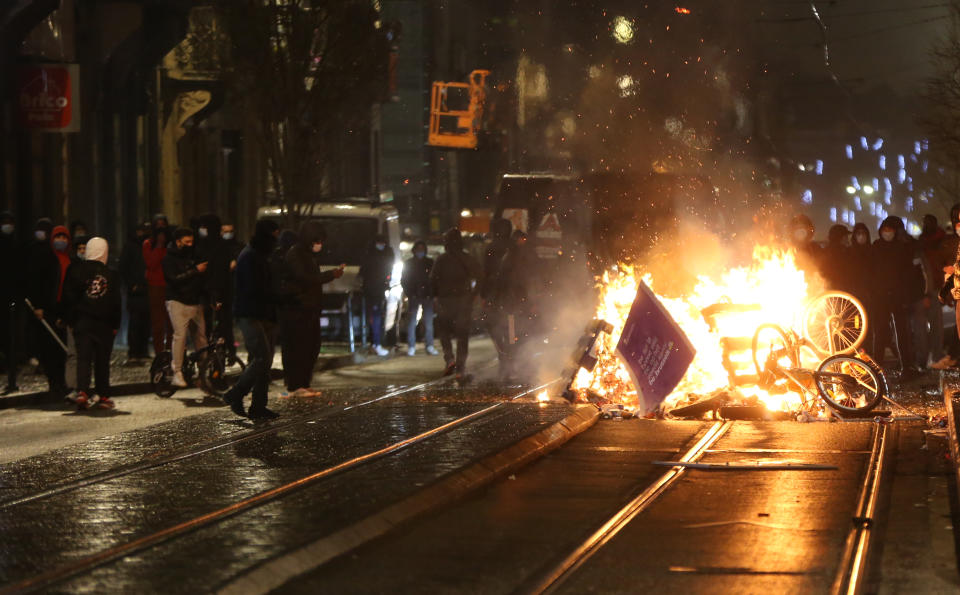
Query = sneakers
x=262 y=414
x=944 y=363
x=450 y=369
x=178 y=380
x=431 y=350
x=106 y=403
x=411 y=351
x=82 y=401
x=380 y=351
x=71 y=397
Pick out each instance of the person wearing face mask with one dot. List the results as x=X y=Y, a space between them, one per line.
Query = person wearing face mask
x=375 y=271
x=79 y=249
x=949 y=258
x=300 y=314
x=218 y=290
x=255 y=311
x=416 y=286
x=894 y=277
x=185 y=278
x=133 y=271
x=42 y=288
x=809 y=253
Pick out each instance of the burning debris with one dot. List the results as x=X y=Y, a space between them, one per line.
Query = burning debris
x=751 y=344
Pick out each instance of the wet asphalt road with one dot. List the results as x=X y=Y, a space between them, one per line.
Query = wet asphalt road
x=50 y=532
x=713 y=532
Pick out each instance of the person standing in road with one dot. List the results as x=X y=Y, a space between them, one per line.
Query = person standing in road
x=376 y=271
x=419 y=291
x=514 y=294
x=93 y=305
x=154 y=252
x=927 y=314
x=43 y=289
x=300 y=316
x=185 y=279
x=454 y=278
x=133 y=271
x=809 y=253
x=893 y=279
x=254 y=307
x=493 y=314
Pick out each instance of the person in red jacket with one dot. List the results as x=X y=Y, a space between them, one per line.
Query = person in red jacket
x=154 y=251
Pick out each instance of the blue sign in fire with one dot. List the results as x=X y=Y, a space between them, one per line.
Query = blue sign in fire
x=654 y=348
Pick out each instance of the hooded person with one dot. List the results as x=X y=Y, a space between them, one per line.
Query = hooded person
x=302 y=285
x=154 y=250
x=60 y=242
x=415 y=281
x=493 y=314
x=893 y=277
x=79 y=249
x=133 y=272
x=809 y=253
x=93 y=308
x=42 y=289
x=254 y=309
x=454 y=278
x=376 y=271
x=835 y=267
x=218 y=288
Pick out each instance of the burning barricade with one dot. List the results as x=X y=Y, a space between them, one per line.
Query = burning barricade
x=751 y=344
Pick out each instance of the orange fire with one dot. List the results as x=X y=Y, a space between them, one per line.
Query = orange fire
x=771 y=282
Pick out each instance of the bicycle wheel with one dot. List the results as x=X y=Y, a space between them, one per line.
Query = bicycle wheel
x=212 y=373
x=160 y=375
x=772 y=348
x=835 y=323
x=849 y=384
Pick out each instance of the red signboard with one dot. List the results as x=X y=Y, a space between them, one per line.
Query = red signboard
x=48 y=97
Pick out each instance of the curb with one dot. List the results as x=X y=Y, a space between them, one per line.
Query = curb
x=143 y=387
x=276 y=572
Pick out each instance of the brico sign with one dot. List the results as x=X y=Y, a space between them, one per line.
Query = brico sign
x=48 y=97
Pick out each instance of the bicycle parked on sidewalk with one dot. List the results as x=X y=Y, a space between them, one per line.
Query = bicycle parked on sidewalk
x=207 y=366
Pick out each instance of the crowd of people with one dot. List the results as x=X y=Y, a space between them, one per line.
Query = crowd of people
x=197 y=281
x=899 y=279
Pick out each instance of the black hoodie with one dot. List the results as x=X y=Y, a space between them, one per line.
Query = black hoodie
x=254 y=295
x=185 y=282
x=304 y=281
x=43 y=269
x=455 y=272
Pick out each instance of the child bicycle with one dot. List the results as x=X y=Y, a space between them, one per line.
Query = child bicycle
x=207 y=365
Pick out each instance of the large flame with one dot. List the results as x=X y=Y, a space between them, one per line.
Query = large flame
x=772 y=282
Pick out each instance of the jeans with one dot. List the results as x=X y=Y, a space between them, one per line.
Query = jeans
x=181 y=315
x=258 y=337
x=375 y=319
x=414 y=305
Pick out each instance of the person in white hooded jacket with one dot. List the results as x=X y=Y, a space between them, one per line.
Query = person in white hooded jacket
x=92 y=307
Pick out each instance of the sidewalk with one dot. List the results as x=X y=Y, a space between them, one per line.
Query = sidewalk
x=132 y=377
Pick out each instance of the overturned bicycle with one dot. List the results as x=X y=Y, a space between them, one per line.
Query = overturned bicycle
x=755 y=343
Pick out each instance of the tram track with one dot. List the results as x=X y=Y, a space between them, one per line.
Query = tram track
x=89 y=562
x=204 y=448
x=851 y=574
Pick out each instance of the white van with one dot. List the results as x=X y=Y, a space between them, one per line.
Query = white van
x=351 y=226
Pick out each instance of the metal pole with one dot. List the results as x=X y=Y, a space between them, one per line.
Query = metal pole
x=353 y=347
